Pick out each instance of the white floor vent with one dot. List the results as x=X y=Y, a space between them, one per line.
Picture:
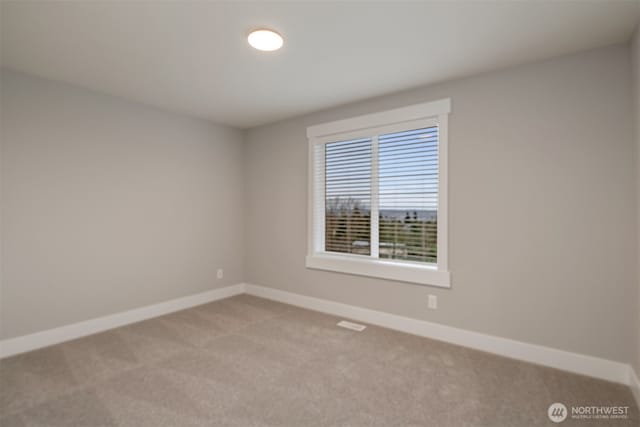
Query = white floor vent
x=351 y=325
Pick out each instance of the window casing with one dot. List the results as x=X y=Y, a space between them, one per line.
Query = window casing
x=378 y=195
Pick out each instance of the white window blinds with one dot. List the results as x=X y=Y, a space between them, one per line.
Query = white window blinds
x=390 y=177
x=408 y=195
x=378 y=194
x=348 y=196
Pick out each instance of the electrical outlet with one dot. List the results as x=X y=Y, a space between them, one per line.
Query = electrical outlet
x=220 y=273
x=433 y=302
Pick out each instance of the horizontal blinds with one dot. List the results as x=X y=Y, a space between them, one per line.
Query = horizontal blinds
x=347 y=191
x=408 y=194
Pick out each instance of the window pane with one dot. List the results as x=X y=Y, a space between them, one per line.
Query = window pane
x=408 y=195
x=348 y=196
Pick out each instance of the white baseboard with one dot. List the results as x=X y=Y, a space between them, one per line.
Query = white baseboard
x=559 y=359
x=12 y=346
x=546 y=356
x=634 y=383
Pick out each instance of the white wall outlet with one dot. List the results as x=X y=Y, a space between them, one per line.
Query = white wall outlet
x=433 y=302
x=220 y=273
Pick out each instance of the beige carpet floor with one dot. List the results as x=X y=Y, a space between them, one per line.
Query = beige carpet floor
x=246 y=361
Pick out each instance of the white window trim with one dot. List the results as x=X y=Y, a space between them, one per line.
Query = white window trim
x=420 y=115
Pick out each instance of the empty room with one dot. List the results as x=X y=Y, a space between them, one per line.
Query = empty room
x=317 y=213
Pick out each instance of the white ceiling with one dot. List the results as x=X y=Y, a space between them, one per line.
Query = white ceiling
x=193 y=57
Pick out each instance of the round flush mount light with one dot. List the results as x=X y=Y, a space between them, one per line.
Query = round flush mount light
x=267 y=40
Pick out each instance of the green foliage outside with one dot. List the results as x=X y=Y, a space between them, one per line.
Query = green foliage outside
x=348 y=225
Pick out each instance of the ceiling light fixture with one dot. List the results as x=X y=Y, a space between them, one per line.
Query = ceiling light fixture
x=267 y=40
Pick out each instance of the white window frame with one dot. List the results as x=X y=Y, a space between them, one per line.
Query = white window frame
x=371 y=125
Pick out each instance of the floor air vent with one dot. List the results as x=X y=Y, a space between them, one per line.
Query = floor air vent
x=351 y=325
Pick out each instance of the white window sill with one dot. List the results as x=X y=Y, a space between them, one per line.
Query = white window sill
x=383 y=269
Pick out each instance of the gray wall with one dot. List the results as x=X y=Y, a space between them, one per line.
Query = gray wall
x=542 y=201
x=109 y=205
x=635 y=64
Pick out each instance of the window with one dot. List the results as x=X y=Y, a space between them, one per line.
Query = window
x=378 y=195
